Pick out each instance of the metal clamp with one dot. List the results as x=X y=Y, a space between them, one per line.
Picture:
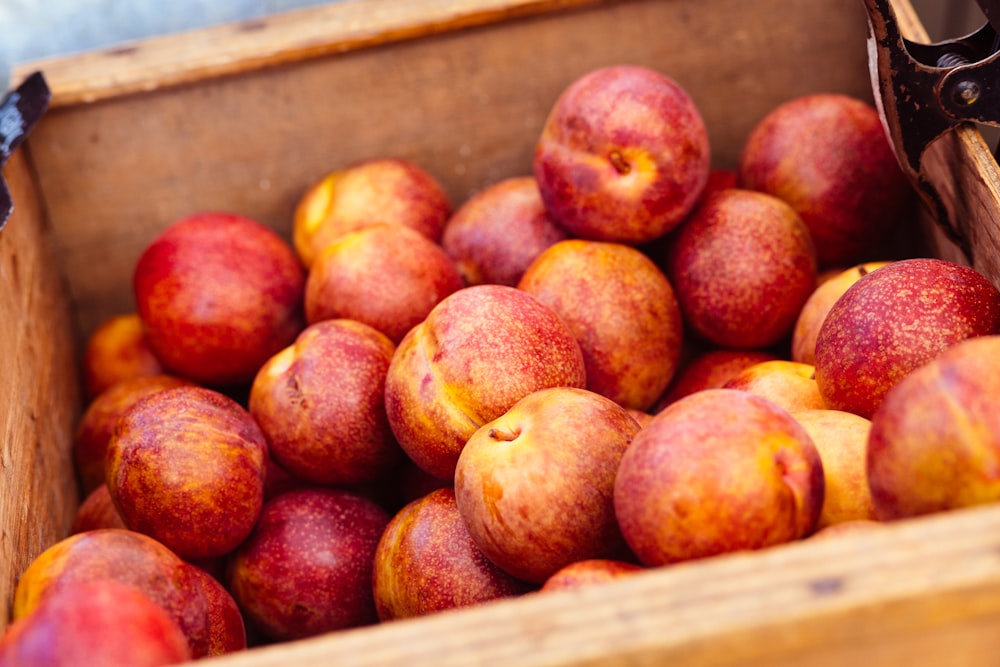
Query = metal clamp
x=925 y=90
x=20 y=111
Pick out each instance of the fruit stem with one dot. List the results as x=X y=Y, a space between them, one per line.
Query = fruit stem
x=503 y=434
x=619 y=162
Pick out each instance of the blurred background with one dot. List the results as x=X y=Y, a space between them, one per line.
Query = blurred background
x=31 y=29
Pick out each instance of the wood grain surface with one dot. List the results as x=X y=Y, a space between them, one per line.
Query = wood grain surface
x=39 y=389
x=920 y=593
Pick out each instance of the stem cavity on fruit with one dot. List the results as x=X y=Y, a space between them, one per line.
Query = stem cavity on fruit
x=503 y=434
x=619 y=162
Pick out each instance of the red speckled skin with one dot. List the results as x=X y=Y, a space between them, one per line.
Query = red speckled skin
x=816 y=307
x=718 y=471
x=590 y=572
x=98 y=624
x=478 y=352
x=94 y=430
x=321 y=405
x=186 y=466
x=935 y=439
x=893 y=320
x=535 y=486
x=226 y=629
x=496 y=234
x=622 y=310
x=218 y=294
x=742 y=266
x=623 y=156
x=307 y=567
x=426 y=562
x=828 y=157
x=386 y=276
x=129 y=558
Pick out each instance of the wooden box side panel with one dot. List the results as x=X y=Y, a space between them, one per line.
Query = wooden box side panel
x=468 y=105
x=880 y=597
x=39 y=391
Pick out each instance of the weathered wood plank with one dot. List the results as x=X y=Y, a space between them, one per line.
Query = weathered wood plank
x=39 y=388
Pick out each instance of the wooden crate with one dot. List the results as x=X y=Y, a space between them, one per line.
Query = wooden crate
x=244 y=116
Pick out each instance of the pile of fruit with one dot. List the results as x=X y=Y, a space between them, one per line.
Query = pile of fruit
x=625 y=360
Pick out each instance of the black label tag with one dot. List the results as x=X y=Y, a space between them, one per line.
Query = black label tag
x=20 y=111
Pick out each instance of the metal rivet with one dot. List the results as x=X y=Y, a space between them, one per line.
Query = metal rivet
x=966 y=92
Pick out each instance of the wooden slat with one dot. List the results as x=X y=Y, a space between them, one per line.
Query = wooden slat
x=920 y=593
x=253 y=44
x=39 y=391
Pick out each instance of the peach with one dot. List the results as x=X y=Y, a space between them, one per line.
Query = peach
x=534 y=486
x=186 y=466
x=622 y=310
x=380 y=190
x=710 y=369
x=307 y=567
x=94 y=430
x=716 y=472
x=718 y=179
x=591 y=572
x=742 y=267
x=828 y=157
x=127 y=557
x=815 y=309
x=426 y=562
x=321 y=404
x=98 y=623
x=935 y=438
x=842 y=441
x=894 y=319
x=623 y=155
x=218 y=294
x=226 y=629
x=97 y=511
x=499 y=231
x=116 y=350
x=386 y=276
x=788 y=384
x=478 y=352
